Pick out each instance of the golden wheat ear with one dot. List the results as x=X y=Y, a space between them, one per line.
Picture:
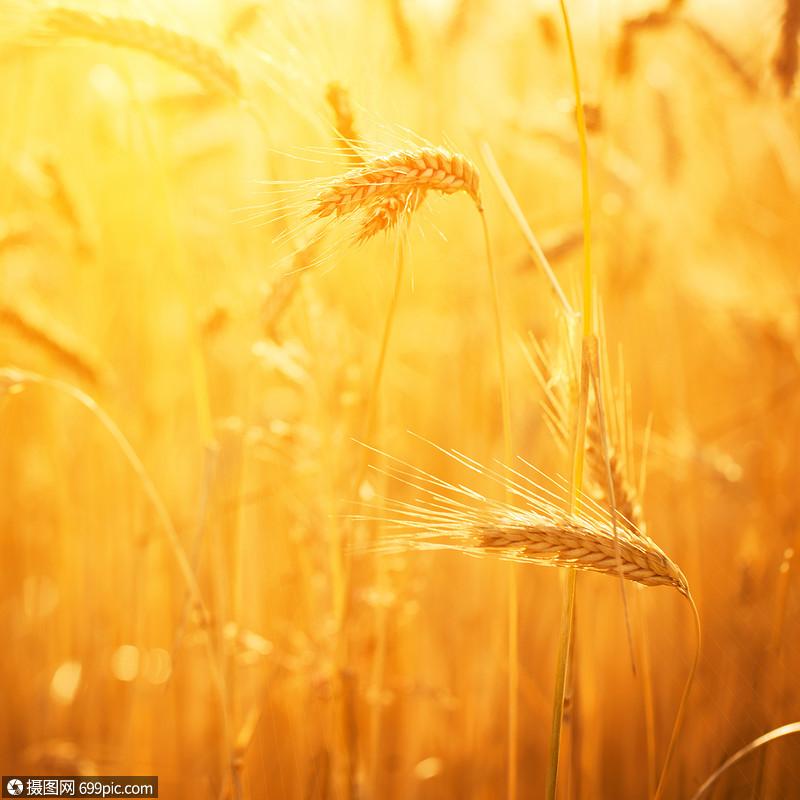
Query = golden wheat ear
x=396 y=176
x=541 y=530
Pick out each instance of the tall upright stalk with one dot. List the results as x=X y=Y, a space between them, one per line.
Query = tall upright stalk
x=565 y=633
x=513 y=600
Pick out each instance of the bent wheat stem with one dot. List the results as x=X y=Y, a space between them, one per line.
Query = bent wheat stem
x=778 y=733
x=684 y=702
x=16 y=377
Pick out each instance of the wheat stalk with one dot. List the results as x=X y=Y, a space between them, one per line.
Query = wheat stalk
x=184 y=52
x=397 y=175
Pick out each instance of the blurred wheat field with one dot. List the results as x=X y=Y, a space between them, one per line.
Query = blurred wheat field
x=189 y=362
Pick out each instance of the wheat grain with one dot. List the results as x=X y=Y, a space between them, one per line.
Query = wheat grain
x=397 y=175
x=184 y=52
x=387 y=212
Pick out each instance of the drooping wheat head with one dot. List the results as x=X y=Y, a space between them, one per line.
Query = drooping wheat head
x=569 y=542
x=541 y=530
x=396 y=176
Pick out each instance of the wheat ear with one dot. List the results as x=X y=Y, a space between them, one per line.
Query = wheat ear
x=386 y=213
x=55 y=339
x=338 y=98
x=551 y=539
x=570 y=542
x=396 y=176
x=538 y=531
x=784 y=62
x=626 y=499
x=184 y=52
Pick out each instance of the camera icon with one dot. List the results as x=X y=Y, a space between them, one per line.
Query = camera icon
x=14 y=787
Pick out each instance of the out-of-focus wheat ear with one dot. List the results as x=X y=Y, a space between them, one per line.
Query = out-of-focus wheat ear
x=557 y=386
x=15 y=229
x=722 y=53
x=41 y=171
x=338 y=98
x=281 y=292
x=202 y=61
x=403 y=32
x=243 y=20
x=630 y=31
x=626 y=500
x=63 y=345
x=462 y=21
x=784 y=62
x=669 y=16
x=68 y=200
